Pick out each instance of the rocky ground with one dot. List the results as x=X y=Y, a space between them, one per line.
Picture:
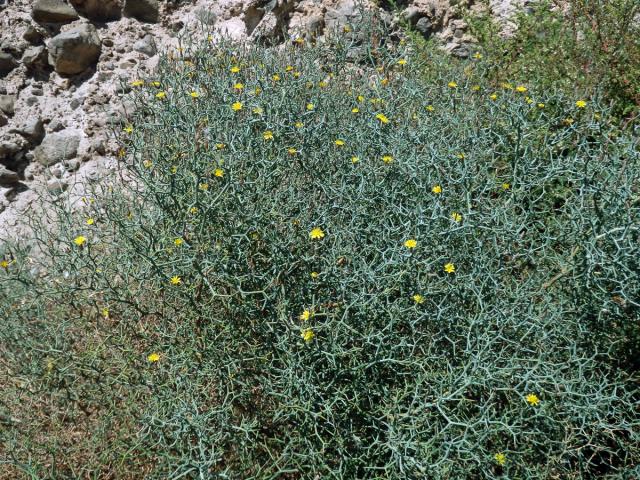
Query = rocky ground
x=65 y=66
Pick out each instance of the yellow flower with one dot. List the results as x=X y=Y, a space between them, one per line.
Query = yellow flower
x=80 y=240
x=449 y=268
x=194 y=94
x=581 y=104
x=477 y=55
x=161 y=95
x=452 y=85
x=137 y=83
x=193 y=210
x=257 y=91
x=299 y=124
x=460 y=155
x=235 y=69
x=355 y=110
x=299 y=41
x=339 y=143
x=203 y=186
x=153 y=357
x=568 y=121
x=532 y=399
x=147 y=163
x=456 y=217
x=307 y=335
x=354 y=159
x=507 y=86
x=128 y=129
x=402 y=61
x=418 y=298
x=493 y=96
x=176 y=280
x=316 y=233
x=296 y=74
x=436 y=189
x=105 y=312
x=506 y=186
x=90 y=221
x=429 y=108
x=476 y=88
x=4 y=264
x=236 y=106
x=360 y=98
x=346 y=29
x=314 y=275
x=411 y=243
x=257 y=110
x=322 y=84
x=384 y=82
x=218 y=172
x=387 y=159
x=155 y=83
x=310 y=106
x=500 y=458
x=306 y=315
x=382 y=117
x=178 y=241
x=220 y=146
x=288 y=68
x=276 y=77
x=268 y=135
x=238 y=86
x=174 y=169
x=521 y=89
x=541 y=105
x=291 y=151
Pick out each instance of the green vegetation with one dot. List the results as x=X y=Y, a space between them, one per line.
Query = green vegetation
x=347 y=260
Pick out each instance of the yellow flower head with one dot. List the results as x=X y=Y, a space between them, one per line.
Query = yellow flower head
x=268 y=135
x=360 y=98
x=155 y=83
x=314 y=275
x=449 y=267
x=80 y=240
x=521 y=89
x=477 y=55
x=236 y=106
x=532 y=399
x=4 y=264
x=581 y=104
x=288 y=68
x=506 y=186
x=354 y=159
x=291 y=151
x=384 y=82
x=90 y=221
x=238 y=86
x=257 y=110
x=436 y=189
x=128 y=129
x=299 y=124
x=178 y=241
x=218 y=172
x=541 y=105
x=161 y=95
x=493 y=96
x=194 y=94
x=147 y=163
x=137 y=83
x=452 y=85
x=220 y=146
x=382 y=117
x=387 y=159
x=402 y=61
x=203 y=186
x=257 y=91
x=475 y=88
x=418 y=298
x=153 y=357
x=456 y=217
x=176 y=280
x=355 y=110
x=316 y=234
x=322 y=84
x=235 y=69
x=339 y=143
x=305 y=315
x=276 y=77
x=411 y=243
x=307 y=335
x=429 y=108
x=105 y=312
x=500 y=458
x=310 y=106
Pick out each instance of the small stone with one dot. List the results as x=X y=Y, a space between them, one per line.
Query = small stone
x=31 y=101
x=7 y=103
x=57 y=147
x=74 y=51
x=56 y=186
x=143 y=10
x=33 y=35
x=8 y=177
x=425 y=27
x=100 y=10
x=146 y=46
x=56 y=125
x=3 y=120
x=32 y=131
x=53 y=11
x=32 y=170
x=71 y=165
x=35 y=58
x=7 y=63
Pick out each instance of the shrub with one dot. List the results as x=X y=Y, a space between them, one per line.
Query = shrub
x=322 y=266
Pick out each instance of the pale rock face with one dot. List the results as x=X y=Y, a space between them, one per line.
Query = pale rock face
x=53 y=11
x=57 y=147
x=74 y=51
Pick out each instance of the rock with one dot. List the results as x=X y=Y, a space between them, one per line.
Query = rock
x=57 y=147
x=76 y=50
x=35 y=59
x=9 y=150
x=7 y=63
x=425 y=27
x=53 y=11
x=32 y=170
x=7 y=103
x=3 y=120
x=146 y=46
x=100 y=10
x=234 y=29
x=143 y=10
x=32 y=131
x=8 y=177
x=56 y=186
x=33 y=35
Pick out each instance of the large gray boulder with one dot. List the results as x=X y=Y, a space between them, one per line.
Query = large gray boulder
x=53 y=11
x=143 y=10
x=76 y=50
x=57 y=147
x=100 y=10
